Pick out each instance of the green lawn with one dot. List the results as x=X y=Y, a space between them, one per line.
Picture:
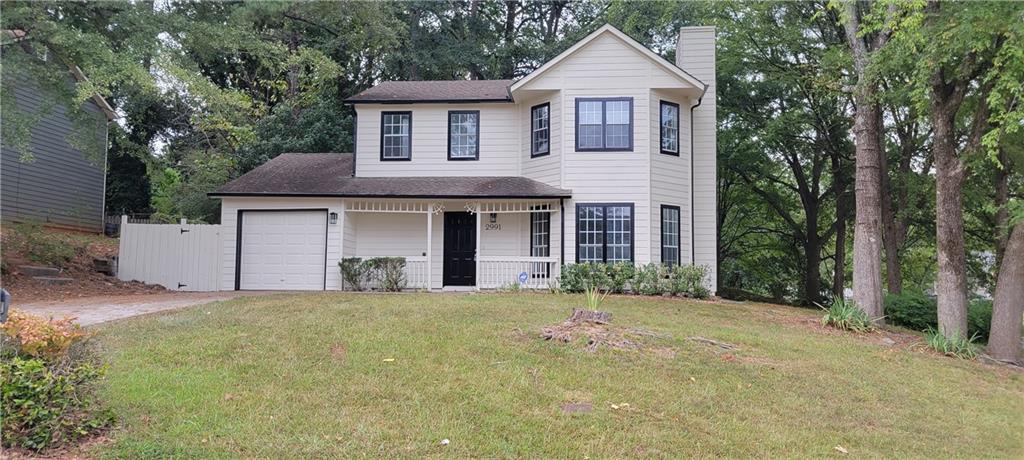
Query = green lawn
x=299 y=376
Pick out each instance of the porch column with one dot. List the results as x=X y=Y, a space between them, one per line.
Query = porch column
x=479 y=237
x=430 y=243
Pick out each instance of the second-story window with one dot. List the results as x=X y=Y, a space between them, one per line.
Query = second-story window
x=464 y=135
x=395 y=136
x=604 y=124
x=669 y=128
x=540 y=131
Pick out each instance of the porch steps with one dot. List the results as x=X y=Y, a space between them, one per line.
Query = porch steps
x=34 y=270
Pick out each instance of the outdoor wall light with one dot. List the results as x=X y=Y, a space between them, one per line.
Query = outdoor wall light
x=333 y=218
x=494 y=217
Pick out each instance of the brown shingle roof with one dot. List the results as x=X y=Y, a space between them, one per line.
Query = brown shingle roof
x=330 y=174
x=436 y=91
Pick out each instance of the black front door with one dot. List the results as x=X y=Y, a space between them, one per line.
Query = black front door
x=459 y=249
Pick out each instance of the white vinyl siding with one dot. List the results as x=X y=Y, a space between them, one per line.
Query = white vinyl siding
x=670 y=176
x=546 y=168
x=499 y=141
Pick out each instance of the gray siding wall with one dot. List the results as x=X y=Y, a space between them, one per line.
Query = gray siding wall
x=61 y=185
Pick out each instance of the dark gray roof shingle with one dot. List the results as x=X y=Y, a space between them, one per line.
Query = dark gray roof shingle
x=330 y=174
x=436 y=91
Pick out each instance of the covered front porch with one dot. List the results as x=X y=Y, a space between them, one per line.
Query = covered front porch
x=458 y=244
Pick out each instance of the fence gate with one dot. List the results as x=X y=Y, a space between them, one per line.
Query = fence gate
x=180 y=257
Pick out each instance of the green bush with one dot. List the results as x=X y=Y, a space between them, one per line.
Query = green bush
x=688 y=280
x=845 y=315
x=389 y=273
x=912 y=310
x=958 y=347
x=979 y=319
x=48 y=377
x=581 y=276
x=648 y=279
x=620 y=274
x=355 y=272
x=42 y=247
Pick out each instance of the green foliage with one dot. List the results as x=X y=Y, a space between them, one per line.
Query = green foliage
x=594 y=296
x=843 y=314
x=912 y=310
x=579 y=277
x=957 y=347
x=182 y=192
x=979 y=319
x=648 y=279
x=387 y=272
x=620 y=274
x=41 y=246
x=48 y=378
x=689 y=280
x=355 y=272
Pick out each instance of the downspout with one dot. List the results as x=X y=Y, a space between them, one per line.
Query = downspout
x=693 y=245
x=561 y=245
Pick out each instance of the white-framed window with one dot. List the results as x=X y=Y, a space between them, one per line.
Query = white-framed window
x=670 y=234
x=669 y=128
x=464 y=135
x=604 y=124
x=540 y=234
x=604 y=232
x=395 y=136
x=540 y=130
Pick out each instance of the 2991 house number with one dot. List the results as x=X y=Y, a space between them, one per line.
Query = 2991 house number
x=492 y=226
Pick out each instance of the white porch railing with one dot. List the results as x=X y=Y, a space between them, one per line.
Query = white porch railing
x=499 y=271
x=415 y=272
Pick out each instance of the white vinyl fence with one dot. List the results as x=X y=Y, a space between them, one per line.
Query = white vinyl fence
x=179 y=257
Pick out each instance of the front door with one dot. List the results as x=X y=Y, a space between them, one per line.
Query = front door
x=459 y=249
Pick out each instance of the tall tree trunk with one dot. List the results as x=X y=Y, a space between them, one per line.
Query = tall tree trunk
x=839 y=267
x=509 y=36
x=812 y=268
x=951 y=282
x=890 y=241
x=414 y=37
x=1008 y=307
x=867 y=230
x=1002 y=206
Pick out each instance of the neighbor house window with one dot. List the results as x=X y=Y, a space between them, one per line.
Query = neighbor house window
x=669 y=234
x=669 y=128
x=540 y=234
x=604 y=124
x=395 y=136
x=540 y=131
x=464 y=135
x=604 y=233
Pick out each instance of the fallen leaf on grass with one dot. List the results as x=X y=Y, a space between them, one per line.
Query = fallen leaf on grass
x=389 y=360
x=841 y=449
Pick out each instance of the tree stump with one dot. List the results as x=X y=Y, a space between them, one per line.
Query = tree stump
x=580 y=315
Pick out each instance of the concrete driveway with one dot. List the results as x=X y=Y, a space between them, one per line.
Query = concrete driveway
x=93 y=310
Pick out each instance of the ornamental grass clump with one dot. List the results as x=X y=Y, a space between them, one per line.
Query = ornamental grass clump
x=958 y=346
x=843 y=314
x=48 y=377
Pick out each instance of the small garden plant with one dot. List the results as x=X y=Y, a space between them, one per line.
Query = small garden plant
x=959 y=346
x=843 y=314
x=48 y=377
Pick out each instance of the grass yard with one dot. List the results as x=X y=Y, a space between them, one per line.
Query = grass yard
x=350 y=375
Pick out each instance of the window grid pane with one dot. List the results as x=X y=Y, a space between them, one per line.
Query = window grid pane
x=670 y=236
x=396 y=135
x=463 y=131
x=540 y=234
x=619 y=234
x=670 y=128
x=604 y=233
x=591 y=234
x=604 y=124
x=541 y=129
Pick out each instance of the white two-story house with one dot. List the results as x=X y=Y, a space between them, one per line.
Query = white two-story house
x=606 y=153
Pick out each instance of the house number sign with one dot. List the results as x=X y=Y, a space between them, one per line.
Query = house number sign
x=492 y=226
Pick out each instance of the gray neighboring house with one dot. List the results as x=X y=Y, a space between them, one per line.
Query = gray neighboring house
x=60 y=186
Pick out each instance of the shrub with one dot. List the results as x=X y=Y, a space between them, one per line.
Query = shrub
x=979 y=319
x=912 y=310
x=619 y=275
x=845 y=315
x=356 y=272
x=390 y=272
x=958 y=346
x=48 y=374
x=41 y=246
x=578 y=277
x=648 y=279
x=689 y=280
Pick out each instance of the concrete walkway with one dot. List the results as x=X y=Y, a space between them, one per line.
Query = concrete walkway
x=93 y=310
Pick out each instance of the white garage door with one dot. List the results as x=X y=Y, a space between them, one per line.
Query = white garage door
x=283 y=250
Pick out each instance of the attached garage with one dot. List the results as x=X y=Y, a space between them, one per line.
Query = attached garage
x=281 y=250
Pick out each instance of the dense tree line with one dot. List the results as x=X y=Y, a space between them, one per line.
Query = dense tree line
x=866 y=145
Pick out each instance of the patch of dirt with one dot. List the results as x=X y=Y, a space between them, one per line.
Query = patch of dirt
x=338 y=352
x=578 y=408
x=593 y=330
x=86 y=281
x=76 y=451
